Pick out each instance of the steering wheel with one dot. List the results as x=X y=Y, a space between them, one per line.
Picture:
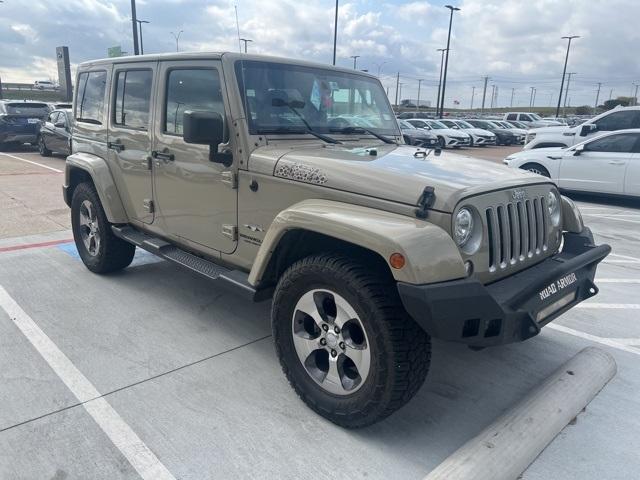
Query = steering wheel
x=339 y=122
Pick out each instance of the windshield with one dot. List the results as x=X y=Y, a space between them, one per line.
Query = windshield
x=436 y=125
x=405 y=124
x=535 y=116
x=463 y=124
x=287 y=98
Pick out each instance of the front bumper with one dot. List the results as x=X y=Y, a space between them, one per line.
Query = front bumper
x=512 y=309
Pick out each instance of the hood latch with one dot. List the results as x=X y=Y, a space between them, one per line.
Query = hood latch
x=426 y=200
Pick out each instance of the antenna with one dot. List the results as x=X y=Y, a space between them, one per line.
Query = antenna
x=238 y=28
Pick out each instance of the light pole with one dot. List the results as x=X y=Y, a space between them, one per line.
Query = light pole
x=245 y=41
x=140 y=22
x=355 y=60
x=379 y=65
x=473 y=94
x=564 y=71
x=177 y=37
x=446 y=61
x=420 y=80
x=335 y=34
x=441 y=50
x=134 y=24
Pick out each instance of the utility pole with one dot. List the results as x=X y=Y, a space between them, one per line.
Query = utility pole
x=355 y=61
x=497 y=90
x=484 y=93
x=446 y=61
x=493 y=95
x=140 y=22
x=245 y=41
x=513 y=91
x=335 y=34
x=531 y=97
x=441 y=50
x=564 y=71
x=473 y=94
x=566 y=94
x=238 y=28
x=533 y=103
x=397 y=88
x=595 y=107
x=635 y=95
x=418 y=102
x=134 y=24
x=177 y=37
x=400 y=87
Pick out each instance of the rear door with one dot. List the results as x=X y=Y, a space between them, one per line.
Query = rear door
x=62 y=133
x=197 y=198
x=601 y=166
x=47 y=130
x=129 y=138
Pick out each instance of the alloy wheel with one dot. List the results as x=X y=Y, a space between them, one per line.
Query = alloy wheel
x=89 y=228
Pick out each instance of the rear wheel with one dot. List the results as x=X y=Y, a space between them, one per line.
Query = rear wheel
x=100 y=250
x=42 y=147
x=441 y=142
x=536 y=168
x=344 y=340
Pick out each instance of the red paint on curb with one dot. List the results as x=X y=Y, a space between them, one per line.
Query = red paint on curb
x=34 y=245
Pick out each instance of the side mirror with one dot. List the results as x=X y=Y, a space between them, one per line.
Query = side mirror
x=578 y=150
x=587 y=129
x=206 y=128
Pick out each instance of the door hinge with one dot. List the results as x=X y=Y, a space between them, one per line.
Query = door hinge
x=230 y=231
x=147 y=203
x=229 y=178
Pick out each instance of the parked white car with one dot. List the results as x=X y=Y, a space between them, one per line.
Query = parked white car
x=447 y=137
x=530 y=118
x=479 y=137
x=44 y=85
x=607 y=164
x=619 y=118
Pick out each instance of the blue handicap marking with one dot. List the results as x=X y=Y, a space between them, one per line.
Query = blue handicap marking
x=142 y=257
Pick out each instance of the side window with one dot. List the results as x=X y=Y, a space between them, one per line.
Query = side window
x=618 y=121
x=623 y=143
x=190 y=89
x=90 y=97
x=525 y=118
x=512 y=116
x=53 y=117
x=132 y=98
x=62 y=117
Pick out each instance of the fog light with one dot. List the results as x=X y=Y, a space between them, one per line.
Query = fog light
x=396 y=260
x=468 y=268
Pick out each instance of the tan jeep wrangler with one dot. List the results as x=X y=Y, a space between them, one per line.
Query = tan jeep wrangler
x=288 y=180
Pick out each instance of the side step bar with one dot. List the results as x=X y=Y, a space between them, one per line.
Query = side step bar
x=224 y=277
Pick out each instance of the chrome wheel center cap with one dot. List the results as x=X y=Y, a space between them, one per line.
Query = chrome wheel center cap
x=332 y=340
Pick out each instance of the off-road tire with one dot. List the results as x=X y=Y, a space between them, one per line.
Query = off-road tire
x=113 y=253
x=42 y=147
x=536 y=168
x=400 y=349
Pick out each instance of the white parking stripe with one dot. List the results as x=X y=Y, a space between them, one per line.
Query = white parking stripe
x=123 y=437
x=617 y=280
x=620 y=260
x=611 y=217
x=31 y=162
x=614 y=306
x=609 y=342
x=625 y=256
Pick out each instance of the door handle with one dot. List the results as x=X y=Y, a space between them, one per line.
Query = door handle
x=617 y=162
x=117 y=146
x=167 y=157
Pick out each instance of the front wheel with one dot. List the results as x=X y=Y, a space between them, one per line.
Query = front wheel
x=42 y=147
x=344 y=340
x=441 y=142
x=100 y=250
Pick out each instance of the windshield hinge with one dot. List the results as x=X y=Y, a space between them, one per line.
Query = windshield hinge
x=425 y=202
x=229 y=178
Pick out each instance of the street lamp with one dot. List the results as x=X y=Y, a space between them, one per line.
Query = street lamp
x=245 y=41
x=355 y=60
x=140 y=22
x=446 y=62
x=335 y=34
x=441 y=50
x=564 y=71
x=177 y=37
x=379 y=65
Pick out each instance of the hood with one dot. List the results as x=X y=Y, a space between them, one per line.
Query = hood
x=537 y=153
x=546 y=123
x=555 y=129
x=451 y=132
x=478 y=131
x=394 y=174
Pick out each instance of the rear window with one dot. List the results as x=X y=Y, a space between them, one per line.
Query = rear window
x=132 y=98
x=90 y=97
x=27 y=109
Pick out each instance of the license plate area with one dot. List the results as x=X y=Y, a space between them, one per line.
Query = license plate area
x=555 y=306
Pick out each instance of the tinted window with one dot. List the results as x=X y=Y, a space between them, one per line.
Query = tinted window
x=132 y=98
x=35 y=110
x=512 y=116
x=618 y=121
x=62 y=118
x=90 y=97
x=191 y=90
x=623 y=143
x=525 y=118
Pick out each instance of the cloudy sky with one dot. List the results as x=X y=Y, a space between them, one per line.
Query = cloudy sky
x=514 y=42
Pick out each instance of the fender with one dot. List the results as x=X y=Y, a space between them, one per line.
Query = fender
x=430 y=253
x=97 y=168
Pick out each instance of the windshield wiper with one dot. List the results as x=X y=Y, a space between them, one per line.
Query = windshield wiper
x=352 y=129
x=293 y=105
x=300 y=130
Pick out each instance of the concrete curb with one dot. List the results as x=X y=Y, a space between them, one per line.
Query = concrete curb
x=504 y=449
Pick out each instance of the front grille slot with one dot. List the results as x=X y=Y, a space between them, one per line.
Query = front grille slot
x=516 y=232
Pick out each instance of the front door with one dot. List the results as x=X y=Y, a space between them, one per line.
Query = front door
x=129 y=139
x=601 y=166
x=196 y=198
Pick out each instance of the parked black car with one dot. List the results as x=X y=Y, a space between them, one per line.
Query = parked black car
x=417 y=136
x=503 y=135
x=55 y=133
x=20 y=121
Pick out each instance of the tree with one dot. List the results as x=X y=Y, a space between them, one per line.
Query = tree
x=583 y=110
x=624 y=101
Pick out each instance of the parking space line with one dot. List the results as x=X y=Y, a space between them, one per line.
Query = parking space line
x=32 y=162
x=617 y=280
x=609 y=342
x=611 y=217
x=615 y=306
x=141 y=458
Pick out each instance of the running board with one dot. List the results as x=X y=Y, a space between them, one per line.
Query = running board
x=230 y=279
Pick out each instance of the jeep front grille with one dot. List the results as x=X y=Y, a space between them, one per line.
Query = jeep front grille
x=516 y=232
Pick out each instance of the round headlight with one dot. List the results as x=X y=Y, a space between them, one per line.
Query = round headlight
x=463 y=226
x=553 y=205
